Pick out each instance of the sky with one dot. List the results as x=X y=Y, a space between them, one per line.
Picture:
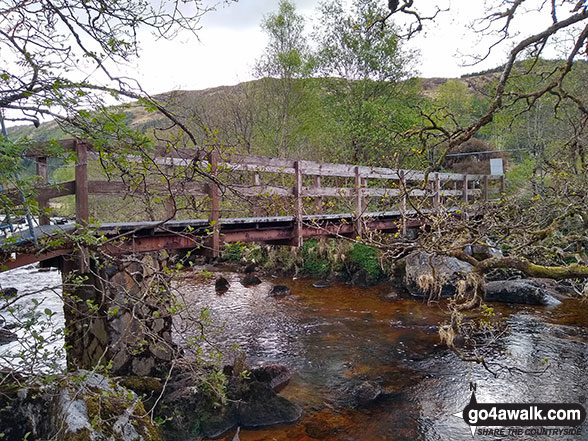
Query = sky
x=231 y=40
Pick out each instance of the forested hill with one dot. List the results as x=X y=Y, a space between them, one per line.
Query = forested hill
x=316 y=118
x=187 y=101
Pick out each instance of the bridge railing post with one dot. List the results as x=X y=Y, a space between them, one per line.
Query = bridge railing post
x=403 y=201
x=43 y=202
x=318 y=201
x=465 y=185
x=81 y=174
x=485 y=188
x=170 y=201
x=82 y=204
x=358 y=202
x=213 y=213
x=436 y=191
x=297 y=233
x=256 y=181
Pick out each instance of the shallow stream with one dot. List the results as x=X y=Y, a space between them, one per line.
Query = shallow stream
x=338 y=337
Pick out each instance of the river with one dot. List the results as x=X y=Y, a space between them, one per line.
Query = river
x=338 y=337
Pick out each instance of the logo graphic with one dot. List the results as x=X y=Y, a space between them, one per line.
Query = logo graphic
x=554 y=415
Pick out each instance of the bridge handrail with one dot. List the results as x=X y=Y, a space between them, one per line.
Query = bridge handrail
x=215 y=163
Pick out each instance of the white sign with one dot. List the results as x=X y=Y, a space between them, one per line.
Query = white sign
x=496 y=166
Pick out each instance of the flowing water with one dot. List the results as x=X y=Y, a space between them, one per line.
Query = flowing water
x=336 y=338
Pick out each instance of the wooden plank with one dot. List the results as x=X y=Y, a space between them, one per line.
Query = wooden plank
x=485 y=189
x=436 y=191
x=326 y=192
x=115 y=188
x=152 y=243
x=44 y=193
x=42 y=202
x=297 y=190
x=213 y=216
x=27 y=259
x=403 y=201
x=358 y=208
x=58 y=190
x=253 y=168
x=81 y=174
x=264 y=190
x=318 y=201
x=263 y=236
x=465 y=189
x=256 y=181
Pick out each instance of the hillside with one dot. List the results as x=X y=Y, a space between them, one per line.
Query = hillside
x=197 y=106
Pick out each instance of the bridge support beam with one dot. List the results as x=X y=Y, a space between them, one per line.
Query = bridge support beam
x=119 y=316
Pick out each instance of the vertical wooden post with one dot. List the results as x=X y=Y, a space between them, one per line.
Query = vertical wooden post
x=403 y=189
x=213 y=214
x=318 y=200
x=358 y=202
x=170 y=202
x=170 y=207
x=43 y=203
x=485 y=188
x=297 y=233
x=82 y=207
x=464 y=193
x=366 y=197
x=502 y=184
x=256 y=181
x=437 y=191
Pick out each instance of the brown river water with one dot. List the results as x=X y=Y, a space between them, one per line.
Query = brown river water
x=335 y=338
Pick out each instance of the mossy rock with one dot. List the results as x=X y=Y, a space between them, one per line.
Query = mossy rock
x=90 y=406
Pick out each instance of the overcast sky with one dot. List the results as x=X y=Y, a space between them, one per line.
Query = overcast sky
x=231 y=40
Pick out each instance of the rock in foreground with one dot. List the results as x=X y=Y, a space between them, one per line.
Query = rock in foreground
x=83 y=406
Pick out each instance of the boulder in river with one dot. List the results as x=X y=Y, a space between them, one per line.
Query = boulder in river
x=276 y=375
x=250 y=268
x=261 y=406
x=279 y=291
x=221 y=285
x=366 y=393
x=431 y=275
x=321 y=284
x=250 y=280
x=8 y=293
x=519 y=291
x=6 y=336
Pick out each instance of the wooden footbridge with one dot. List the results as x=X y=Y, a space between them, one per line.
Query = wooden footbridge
x=375 y=198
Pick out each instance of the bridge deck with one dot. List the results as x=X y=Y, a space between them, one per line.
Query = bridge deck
x=192 y=233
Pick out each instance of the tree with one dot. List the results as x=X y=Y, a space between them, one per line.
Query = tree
x=285 y=63
x=363 y=65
